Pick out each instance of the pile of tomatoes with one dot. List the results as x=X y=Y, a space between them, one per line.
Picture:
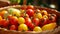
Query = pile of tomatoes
x=27 y=18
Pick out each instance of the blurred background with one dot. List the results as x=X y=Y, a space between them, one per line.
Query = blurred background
x=54 y=4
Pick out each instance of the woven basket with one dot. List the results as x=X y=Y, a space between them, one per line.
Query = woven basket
x=55 y=31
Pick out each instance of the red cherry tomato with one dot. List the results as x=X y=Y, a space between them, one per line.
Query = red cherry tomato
x=9 y=17
x=13 y=20
x=29 y=23
x=51 y=18
x=43 y=21
x=4 y=23
x=13 y=27
x=31 y=26
x=38 y=11
x=36 y=21
x=30 y=12
x=30 y=7
x=28 y=20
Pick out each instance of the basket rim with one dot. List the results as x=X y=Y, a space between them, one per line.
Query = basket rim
x=16 y=6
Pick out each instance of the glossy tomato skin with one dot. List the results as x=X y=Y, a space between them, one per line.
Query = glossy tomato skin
x=30 y=7
x=37 y=29
x=13 y=27
x=9 y=17
x=22 y=27
x=21 y=20
x=39 y=15
x=43 y=21
x=37 y=11
x=28 y=20
x=44 y=12
x=13 y=20
x=32 y=26
x=35 y=21
x=30 y=12
x=52 y=17
x=29 y=23
x=4 y=23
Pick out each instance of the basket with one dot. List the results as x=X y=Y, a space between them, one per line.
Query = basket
x=55 y=31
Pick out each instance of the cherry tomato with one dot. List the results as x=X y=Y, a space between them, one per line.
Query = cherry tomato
x=44 y=12
x=29 y=23
x=37 y=29
x=14 y=20
x=9 y=17
x=38 y=11
x=39 y=15
x=21 y=20
x=22 y=27
x=13 y=27
x=43 y=21
x=30 y=12
x=4 y=23
x=36 y=21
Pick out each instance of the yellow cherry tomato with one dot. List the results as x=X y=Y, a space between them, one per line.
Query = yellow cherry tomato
x=22 y=27
x=44 y=12
x=37 y=29
x=49 y=26
x=39 y=15
x=21 y=20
